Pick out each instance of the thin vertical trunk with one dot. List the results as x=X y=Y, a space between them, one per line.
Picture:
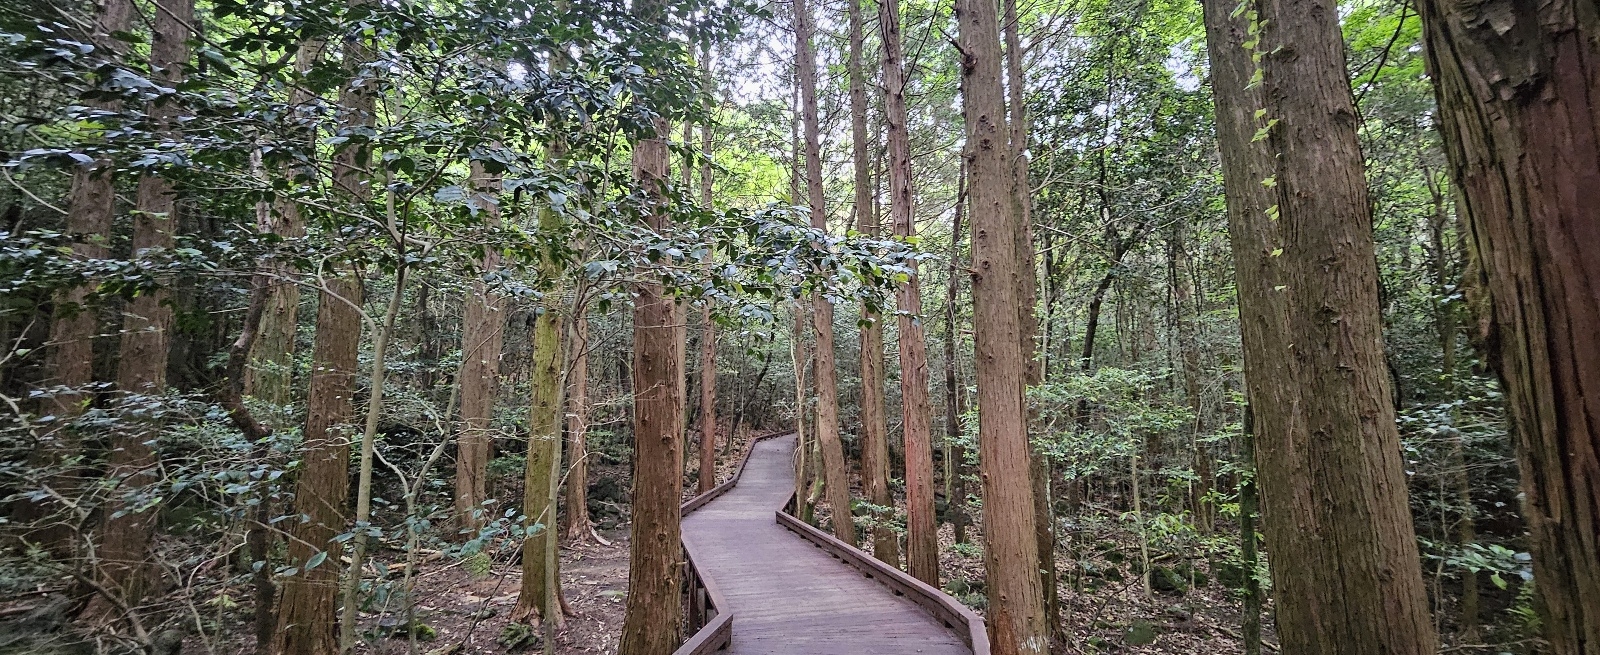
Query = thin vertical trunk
x=1446 y=324
x=146 y=331
x=922 y=531
x=708 y=329
x=955 y=484
x=578 y=526
x=1016 y=619
x=1517 y=88
x=1189 y=352
x=482 y=331
x=874 y=420
x=1248 y=509
x=1337 y=520
x=836 y=471
x=307 y=614
x=652 y=624
x=798 y=356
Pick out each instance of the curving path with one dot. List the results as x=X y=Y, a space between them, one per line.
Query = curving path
x=788 y=596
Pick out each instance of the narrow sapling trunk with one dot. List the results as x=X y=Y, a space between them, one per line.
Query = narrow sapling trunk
x=1518 y=88
x=579 y=526
x=1016 y=616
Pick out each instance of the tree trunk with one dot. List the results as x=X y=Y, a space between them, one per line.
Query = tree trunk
x=1516 y=85
x=146 y=335
x=652 y=624
x=1248 y=509
x=69 y=363
x=1028 y=298
x=798 y=356
x=307 y=602
x=1016 y=619
x=955 y=483
x=922 y=530
x=578 y=527
x=1329 y=466
x=836 y=472
x=708 y=329
x=482 y=331
x=544 y=448
x=874 y=420
x=1189 y=352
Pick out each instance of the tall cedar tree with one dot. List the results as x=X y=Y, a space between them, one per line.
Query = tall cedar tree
x=835 y=471
x=146 y=328
x=483 y=324
x=652 y=623
x=1027 y=299
x=307 y=600
x=1336 y=515
x=922 y=531
x=1016 y=618
x=1517 y=84
x=874 y=420
x=91 y=204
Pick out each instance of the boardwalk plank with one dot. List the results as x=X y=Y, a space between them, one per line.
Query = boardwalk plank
x=789 y=597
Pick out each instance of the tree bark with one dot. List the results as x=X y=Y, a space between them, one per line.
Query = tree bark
x=708 y=329
x=874 y=420
x=146 y=333
x=544 y=448
x=836 y=472
x=579 y=526
x=1016 y=619
x=955 y=456
x=1345 y=560
x=1516 y=84
x=922 y=530
x=1028 y=298
x=307 y=615
x=652 y=624
x=482 y=333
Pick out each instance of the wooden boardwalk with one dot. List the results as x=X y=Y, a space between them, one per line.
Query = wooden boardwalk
x=787 y=595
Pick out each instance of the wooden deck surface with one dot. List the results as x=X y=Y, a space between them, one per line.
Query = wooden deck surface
x=788 y=596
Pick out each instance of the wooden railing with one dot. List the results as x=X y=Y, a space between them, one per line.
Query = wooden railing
x=963 y=621
x=710 y=624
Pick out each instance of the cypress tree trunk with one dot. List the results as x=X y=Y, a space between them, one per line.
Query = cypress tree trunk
x=146 y=335
x=836 y=472
x=922 y=530
x=652 y=624
x=1517 y=88
x=874 y=421
x=1328 y=453
x=1028 y=298
x=69 y=363
x=482 y=332
x=307 y=615
x=1016 y=617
